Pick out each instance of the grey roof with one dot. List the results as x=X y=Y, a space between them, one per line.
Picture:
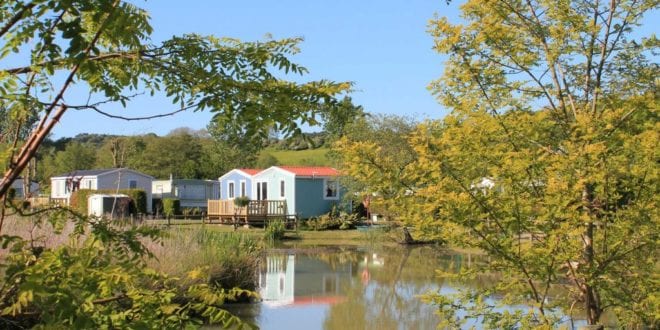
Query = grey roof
x=85 y=173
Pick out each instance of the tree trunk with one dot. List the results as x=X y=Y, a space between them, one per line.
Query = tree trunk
x=591 y=296
x=407 y=238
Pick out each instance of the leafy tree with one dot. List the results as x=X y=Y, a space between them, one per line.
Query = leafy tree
x=578 y=171
x=339 y=117
x=375 y=152
x=76 y=156
x=178 y=154
x=547 y=162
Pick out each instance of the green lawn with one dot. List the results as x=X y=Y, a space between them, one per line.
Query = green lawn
x=309 y=157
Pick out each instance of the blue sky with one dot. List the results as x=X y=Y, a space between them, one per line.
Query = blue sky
x=381 y=46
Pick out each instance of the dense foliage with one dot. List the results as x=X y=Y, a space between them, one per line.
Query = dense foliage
x=547 y=161
x=98 y=278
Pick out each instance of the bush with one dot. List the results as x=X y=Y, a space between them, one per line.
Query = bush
x=171 y=207
x=329 y=221
x=241 y=201
x=275 y=230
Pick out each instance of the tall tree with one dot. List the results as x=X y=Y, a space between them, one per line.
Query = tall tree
x=547 y=162
x=375 y=152
x=553 y=103
x=336 y=120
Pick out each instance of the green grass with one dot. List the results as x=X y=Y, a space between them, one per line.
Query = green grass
x=309 y=157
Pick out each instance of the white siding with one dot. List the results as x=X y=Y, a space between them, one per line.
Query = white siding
x=162 y=188
x=120 y=180
x=57 y=188
x=273 y=177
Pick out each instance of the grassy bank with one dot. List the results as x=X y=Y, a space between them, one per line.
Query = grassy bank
x=309 y=157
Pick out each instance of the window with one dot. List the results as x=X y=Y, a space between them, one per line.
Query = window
x=89 y=184
x=262 y=191
x=132 y=184
x=243 y=192
x=331 y=189
x=230 y=190
x=282 y=190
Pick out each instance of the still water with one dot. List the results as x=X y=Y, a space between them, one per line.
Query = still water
x=353 y=287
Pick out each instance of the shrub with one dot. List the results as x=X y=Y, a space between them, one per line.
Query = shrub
x=171 y=207
x=241 y=201
x=329 y=221
x=275 y=230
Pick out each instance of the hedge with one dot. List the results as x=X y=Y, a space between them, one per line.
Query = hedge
x=80 y=198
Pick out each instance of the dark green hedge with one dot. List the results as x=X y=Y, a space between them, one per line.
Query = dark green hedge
x=79 y=199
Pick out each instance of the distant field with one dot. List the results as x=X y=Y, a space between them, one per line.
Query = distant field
x=308 y=157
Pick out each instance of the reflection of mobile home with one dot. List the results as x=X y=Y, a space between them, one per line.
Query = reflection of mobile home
x=300 y=279
x=276 y=281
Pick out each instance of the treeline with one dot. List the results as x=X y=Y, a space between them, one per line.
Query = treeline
x=183 y=153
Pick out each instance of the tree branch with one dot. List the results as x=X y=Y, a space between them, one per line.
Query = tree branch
x=20 y=15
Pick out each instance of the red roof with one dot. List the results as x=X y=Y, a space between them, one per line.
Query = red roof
x=250 y=171
x=328 y=300
x=311 y=170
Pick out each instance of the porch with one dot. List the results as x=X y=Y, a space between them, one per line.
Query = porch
x=257 y=212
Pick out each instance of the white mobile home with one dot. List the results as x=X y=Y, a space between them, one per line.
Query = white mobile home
x=190 y=192
x=104 y=179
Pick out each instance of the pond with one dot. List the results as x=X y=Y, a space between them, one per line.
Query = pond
x=354 y=287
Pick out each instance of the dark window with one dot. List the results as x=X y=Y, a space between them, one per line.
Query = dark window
x=230 y=190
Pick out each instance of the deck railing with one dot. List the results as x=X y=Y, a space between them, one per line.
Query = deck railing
x=224 y=208
x=267 y=208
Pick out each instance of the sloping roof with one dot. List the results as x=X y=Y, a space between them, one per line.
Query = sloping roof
x=85 y=173
x=250 y=171
x=97 y=172
x=311 y=170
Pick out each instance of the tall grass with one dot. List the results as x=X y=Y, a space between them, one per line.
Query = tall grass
x=232 y=258
x=41 y=234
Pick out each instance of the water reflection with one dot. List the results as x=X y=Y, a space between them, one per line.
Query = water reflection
x=354 y=287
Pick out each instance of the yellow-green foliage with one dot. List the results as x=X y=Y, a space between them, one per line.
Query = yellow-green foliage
x=536 y=146
x=100 y=279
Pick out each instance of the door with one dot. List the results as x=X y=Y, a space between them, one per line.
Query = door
x=262 y=191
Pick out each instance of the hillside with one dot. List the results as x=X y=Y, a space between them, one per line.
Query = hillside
x=305 y=157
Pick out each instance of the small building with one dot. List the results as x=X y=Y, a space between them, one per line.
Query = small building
x=237 y=183
x=102 y=179
x=190 y=192
x=109 y=205
x=309 y=191
x=18 y=186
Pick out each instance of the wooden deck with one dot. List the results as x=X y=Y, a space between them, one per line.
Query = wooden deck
x=255 y=213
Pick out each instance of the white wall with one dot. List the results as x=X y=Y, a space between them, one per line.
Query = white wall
x=57 y=188
x=165 y=188
x=120 y=180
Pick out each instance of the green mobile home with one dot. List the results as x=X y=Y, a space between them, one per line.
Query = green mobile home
x=309 y=191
